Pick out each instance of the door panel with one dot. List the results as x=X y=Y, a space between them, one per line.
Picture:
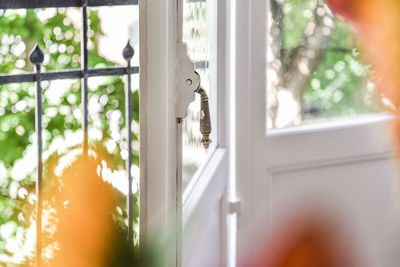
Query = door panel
x=206 y=248
x=344 y=168
x=356 y=196
x=191 y=219
x=204 y=196
x=204 y=232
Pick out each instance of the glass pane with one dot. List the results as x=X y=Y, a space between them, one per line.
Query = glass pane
x=196 y=35
x=315 y=71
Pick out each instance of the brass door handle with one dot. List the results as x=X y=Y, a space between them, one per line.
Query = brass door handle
x=205 y=120
x=188 y=83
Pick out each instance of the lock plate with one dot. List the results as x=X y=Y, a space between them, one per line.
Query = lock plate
x=187 y=81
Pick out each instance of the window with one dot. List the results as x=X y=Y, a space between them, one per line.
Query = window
x=315 y=71
x=197 y=35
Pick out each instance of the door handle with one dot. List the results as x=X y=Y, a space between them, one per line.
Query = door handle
x=205 y=120
x=187 y=84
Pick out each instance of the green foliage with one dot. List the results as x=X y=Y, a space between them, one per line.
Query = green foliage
x=341 y=84
x=59 y=38
x=296 y=15
x=339 y=87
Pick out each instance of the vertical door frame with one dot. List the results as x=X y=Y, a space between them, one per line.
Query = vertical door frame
x=158 y=33
x=250 y=110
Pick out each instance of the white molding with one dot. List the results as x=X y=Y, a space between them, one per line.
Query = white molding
x=332 y=124
x=332 y=162
x=324 y=144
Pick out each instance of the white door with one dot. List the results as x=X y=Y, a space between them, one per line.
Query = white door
x=341 y=166
x=205 y=173
x=183 y=185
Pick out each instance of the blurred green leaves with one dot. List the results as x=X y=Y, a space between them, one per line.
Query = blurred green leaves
x=315 y=56
x=58 y=33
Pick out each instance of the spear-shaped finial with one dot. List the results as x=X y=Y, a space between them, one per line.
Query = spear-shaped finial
x=36 y=56
x=128 y=52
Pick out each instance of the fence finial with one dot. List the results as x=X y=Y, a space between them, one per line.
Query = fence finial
x=128 y=52
x=36 y=56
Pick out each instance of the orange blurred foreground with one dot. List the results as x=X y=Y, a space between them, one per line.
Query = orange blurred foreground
x=308 y=241
x=378 y=27
x=84 y=205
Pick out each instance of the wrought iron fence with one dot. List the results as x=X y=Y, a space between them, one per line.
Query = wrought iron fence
x=37 y=57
